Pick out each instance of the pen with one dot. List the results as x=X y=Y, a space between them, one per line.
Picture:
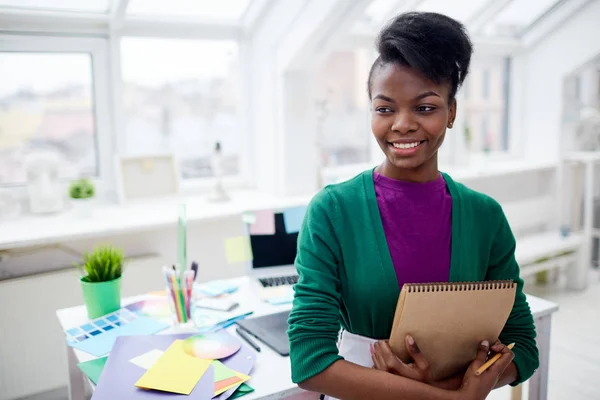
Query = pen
x=245 y=336
x=231 y=321
x=491 y=361
x=195 y=268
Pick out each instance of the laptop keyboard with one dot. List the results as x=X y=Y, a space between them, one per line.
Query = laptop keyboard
x=279 y=281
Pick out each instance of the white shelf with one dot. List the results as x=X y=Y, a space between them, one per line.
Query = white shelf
x=583 y=156
x=139 y=216
x=30 y=231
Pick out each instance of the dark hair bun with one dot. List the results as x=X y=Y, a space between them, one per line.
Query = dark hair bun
x=433 y=44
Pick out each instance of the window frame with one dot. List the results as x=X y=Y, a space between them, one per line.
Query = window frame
x=244 y=179
x=97 y=47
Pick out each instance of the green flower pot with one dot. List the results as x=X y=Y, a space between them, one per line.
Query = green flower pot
x=101 y=298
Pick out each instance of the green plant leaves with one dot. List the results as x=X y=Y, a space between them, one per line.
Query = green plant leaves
x=81 y=189
x=104 y=264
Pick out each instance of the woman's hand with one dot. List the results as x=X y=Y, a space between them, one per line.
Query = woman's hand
x=477 y=387
x=385 y=360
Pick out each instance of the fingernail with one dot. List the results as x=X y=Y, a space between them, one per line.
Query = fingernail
x=411 y=341
x=485 y=344
x=371 y=348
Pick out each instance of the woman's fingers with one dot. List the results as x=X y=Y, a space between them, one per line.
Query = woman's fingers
x=388 y=361
x=482 y=353
x=506 y=357
x=497 y=347
x=415 y=353
x=377 y=362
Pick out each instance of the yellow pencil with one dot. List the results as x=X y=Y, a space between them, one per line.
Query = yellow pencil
x=491 y=361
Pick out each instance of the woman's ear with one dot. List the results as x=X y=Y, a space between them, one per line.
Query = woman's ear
x=452 y=114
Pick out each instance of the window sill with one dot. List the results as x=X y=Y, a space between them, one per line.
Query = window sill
x=478 y=166
x=135 y=216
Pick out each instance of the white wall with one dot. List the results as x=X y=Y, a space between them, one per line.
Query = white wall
x=540 y=70
x=205 y=244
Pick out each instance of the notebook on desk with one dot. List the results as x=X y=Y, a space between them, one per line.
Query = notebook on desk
x=448 y=321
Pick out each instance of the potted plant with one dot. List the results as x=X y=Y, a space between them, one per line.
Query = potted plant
x=101 y=280
x=82 y=193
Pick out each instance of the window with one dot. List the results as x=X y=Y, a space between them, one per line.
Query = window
x=343 y=108
x=223 y=10
x=485 y=135
x=485 y=84
x=46 y=105
x=461 y=10
x=517 y=16
x=578 y=88
x=485 y=108
x=182 y=96
x=98 y=6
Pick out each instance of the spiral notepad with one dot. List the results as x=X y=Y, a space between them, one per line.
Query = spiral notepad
x=448 y=320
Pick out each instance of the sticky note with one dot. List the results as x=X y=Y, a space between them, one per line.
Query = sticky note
x=237 y=249
x=249 y=217
x=93 y=369
x=226 y=378
x=293 y=217
x=264 y=223
x=175 y=371
x=147 y=360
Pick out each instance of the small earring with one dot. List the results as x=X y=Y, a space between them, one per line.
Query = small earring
x=449 y=124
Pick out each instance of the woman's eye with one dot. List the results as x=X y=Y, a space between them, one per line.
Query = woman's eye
x=425 y=108
x=383 y=110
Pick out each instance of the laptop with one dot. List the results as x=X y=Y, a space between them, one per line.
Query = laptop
x=272 y=266
x=271 y=329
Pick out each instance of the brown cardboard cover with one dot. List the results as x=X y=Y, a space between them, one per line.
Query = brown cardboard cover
x=448 y=320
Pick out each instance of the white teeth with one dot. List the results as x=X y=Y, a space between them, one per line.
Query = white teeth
x=405 y=145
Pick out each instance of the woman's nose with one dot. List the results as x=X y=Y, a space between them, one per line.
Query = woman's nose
x=404 y=123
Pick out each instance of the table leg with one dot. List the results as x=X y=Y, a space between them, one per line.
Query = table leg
x=76 y=379
x=516 y=393
x=538 y=383
x=577 y=270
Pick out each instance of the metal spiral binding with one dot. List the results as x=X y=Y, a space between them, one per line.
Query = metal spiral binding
x=458 y=286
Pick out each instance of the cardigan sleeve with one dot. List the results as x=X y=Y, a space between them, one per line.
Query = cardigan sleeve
x=314 y=321
x=520 y=327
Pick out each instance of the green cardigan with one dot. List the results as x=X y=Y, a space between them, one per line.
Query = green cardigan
x=347 y=278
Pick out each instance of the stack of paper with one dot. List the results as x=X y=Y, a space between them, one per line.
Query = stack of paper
x=142 y=367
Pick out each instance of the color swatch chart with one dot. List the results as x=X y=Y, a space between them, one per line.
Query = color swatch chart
x=100 y=325
x=98 y=336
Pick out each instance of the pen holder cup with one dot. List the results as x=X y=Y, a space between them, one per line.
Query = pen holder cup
x=180 y=303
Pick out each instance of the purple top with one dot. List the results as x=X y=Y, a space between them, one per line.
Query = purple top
x=417 y=221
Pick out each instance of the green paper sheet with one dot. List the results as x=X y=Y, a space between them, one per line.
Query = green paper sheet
x=93 y=369
x=221 y=371
x=242 y=391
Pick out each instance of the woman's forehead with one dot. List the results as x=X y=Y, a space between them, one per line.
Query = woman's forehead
x=397 y=80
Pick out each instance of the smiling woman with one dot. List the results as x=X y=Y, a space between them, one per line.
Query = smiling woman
x=409 y=118
x=402 y=222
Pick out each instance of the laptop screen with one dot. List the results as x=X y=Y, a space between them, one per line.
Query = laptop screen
x=274 y=250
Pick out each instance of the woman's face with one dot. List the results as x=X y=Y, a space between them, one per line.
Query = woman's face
x=409 y=118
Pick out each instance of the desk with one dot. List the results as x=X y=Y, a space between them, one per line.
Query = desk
x=271 y=377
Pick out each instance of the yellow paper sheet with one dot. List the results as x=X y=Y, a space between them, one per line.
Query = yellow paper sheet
x=237 y=249
x=175 y=371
